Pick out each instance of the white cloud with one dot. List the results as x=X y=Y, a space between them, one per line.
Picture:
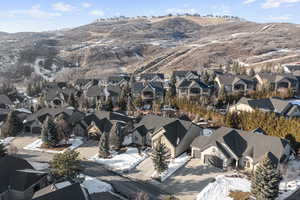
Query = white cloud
x=280 y=18
x=98 y=13
x=62 y=7
x=35 y=11
x=277 y=3
x=249 y=1
x=181 y=11
x=86 y=5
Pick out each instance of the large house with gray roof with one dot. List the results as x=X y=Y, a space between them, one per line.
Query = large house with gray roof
x=273 y=105
x=176 y=134
x=149 y=91
x=189 y=75
x=277 y=82
x=192 y=89
x=230 y=83
x=228 y=147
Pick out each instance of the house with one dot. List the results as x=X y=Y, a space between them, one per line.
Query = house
x=277 y=106
x=95 y=93
x=277 y=82
x=149 y=91
x=62 y=191
x=84 y=84
x=232 y=148
x=56 y=97
x=291 y=68
x=192 y=89
x=76 y=120
x=5 y=101
x=176 y=134
x=33 y=123
x=152 y=77
x=230 y=83
x=18 y=179
x=118 y=79
x=102 y=122
x=189 y=75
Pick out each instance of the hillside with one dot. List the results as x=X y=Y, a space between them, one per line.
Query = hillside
x=148 y=45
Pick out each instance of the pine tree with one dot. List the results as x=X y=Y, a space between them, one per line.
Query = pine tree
x=3 y=150
x=265 y=181
x=109 y=104
x=66 y=165
x=115 y=136
x=44 y=132
x=49 y=133
x=104 y=146
x=12 y=125
x=72 y=101
x=160 y=157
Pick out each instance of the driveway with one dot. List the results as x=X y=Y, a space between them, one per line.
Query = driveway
x=88 y=149
x=23 y=140
x=191 y=179
x=143 y=171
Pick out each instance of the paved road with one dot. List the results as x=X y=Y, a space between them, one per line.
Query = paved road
x=295 y=196
x=126 y=187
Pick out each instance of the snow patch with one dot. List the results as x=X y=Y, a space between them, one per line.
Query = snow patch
x=222 y=186
x=36 y=145
x=7 y=141
x=94 y=185
x=39 y=166
x=127 y=140
x=123 y=162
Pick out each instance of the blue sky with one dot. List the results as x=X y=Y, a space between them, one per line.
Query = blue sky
x=41 y=15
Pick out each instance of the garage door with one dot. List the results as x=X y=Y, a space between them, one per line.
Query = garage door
x=213 y=161
x=36 y=130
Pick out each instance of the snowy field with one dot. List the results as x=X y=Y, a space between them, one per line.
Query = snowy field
x=36 y=145
x=122 y=162
x=7 y=140
x=223 y=185
x=174 y=165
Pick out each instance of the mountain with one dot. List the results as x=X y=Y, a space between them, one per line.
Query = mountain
x=159 y=44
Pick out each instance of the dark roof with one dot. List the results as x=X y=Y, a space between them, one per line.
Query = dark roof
x=117 y=78
x=76 y=116
x=5 y=100
x=113 y=90
x=104 y=196
x=270 y=105
x=23 y=179
x=240 y=142
x=9 y=166
x=274 y=77
x=72 y=192
x=188 y=83
x=230 y=79
x=95 y=91
x=151 y=76
x=42 y=113
x=183 y=73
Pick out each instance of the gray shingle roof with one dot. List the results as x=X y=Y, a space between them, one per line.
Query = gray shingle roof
x=241 y=142
x=73 y=191
x=4 y=99
x=271 y=105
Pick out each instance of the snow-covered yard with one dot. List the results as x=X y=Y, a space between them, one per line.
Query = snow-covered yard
x=174 y=165
x=122 y=162
x=223 y=185
x=7 y=140
x=36 y=145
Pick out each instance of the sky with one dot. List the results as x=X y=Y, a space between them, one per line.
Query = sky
x=44 y=15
